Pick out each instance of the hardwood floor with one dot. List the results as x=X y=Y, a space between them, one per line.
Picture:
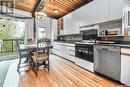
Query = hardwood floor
x=65 y=74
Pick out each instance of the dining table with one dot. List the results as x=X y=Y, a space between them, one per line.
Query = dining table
x=30 y=48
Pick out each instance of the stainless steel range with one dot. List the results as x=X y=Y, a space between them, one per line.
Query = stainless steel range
x=84 y=50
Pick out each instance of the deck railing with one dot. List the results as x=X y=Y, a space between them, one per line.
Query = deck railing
x=9 y=45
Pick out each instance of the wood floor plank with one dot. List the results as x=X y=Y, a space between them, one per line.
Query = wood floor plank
x=65 y=74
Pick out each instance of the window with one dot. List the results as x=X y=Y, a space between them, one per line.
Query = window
x=11 y=29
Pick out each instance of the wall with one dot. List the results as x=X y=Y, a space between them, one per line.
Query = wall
x=53 y=29
x=20 y=12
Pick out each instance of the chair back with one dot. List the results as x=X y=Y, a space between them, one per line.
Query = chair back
x=43 y=47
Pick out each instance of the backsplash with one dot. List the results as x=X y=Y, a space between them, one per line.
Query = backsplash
x=70 y=38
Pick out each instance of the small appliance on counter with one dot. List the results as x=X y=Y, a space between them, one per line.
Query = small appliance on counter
x=104 y=32
x=112 y=33
x=60 y=38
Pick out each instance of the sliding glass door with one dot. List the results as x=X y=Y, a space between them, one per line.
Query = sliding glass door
x=10 y=30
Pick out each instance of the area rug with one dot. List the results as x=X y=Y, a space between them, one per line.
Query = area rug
x=4 y=66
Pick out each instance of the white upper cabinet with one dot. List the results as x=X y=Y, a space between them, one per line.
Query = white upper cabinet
x=97 y=11
x=70 y=24
x=103 y=10
x=92 y=12
x=110 y=10
x=115 y=9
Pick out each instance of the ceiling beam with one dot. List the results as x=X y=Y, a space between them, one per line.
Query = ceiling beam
x=35 y=7
x=39 y=6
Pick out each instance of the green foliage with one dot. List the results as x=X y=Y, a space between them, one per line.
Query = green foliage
x=7 y=28
x=7 y=47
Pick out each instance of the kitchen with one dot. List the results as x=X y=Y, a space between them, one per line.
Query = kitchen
x=98 y=40
x=89 y=43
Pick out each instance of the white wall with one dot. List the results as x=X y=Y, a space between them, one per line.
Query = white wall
x=53 y=29
x=19 y=12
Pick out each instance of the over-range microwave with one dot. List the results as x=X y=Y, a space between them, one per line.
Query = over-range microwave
x=126 y=19
x=126 y=14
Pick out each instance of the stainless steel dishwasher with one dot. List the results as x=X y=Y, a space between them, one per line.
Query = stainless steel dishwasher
x=107 y=61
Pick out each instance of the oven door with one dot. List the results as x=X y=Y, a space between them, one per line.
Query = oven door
x=84 y=51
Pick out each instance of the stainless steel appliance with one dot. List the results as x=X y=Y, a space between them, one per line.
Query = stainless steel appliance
x=126 y=14
x=84 y=50
x=84 y=55
x=90 y=35
x=107 y=61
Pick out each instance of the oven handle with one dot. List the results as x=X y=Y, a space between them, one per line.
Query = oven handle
x=105 y=49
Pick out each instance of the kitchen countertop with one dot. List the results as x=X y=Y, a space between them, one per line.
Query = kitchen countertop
x=64 y=43
x=119 y=45
x=73 y=44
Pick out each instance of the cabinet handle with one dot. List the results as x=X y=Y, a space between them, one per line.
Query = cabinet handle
x=71 y=50
x=126 y=54
x=105 y=49
x=56 y=49
x=72 y=55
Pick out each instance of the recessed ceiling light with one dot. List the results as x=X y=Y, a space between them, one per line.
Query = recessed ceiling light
x=55 y=10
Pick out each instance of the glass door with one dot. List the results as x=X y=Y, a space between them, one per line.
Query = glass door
x=10 y=30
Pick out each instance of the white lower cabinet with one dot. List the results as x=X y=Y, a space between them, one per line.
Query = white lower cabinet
x=85 y=64
x=65 y=51
x=125 y=66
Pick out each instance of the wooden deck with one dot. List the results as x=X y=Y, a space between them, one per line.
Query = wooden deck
x=65 y=74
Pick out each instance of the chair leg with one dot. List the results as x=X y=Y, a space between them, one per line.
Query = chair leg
x=19 y=64
x=27 y=59
x=35 y=68
x=48 y=66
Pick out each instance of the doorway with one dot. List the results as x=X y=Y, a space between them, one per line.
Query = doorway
x=42 y=33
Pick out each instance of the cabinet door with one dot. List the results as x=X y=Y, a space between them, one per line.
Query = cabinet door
x=92 y=12
x=66 y=25
x=115 y=9
x=103 y=10
x=125 y=69
x=70 y=24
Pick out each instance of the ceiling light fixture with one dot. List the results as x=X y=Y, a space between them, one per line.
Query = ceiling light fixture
x=41 y=15
x=56 y=11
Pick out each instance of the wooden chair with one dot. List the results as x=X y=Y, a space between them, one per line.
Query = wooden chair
x=22 y=54
x=41 y=56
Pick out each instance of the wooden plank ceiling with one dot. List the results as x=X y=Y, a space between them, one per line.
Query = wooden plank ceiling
x=63 y=6
x=25 y=5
